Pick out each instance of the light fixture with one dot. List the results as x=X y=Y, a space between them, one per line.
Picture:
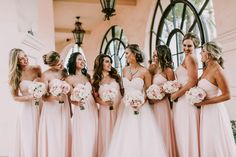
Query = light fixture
x=78 y=32
x=108 y=7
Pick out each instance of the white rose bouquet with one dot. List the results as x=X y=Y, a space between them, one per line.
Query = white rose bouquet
x=37 y=89
x=195 y=95
x=80 y=94
x=155 y=92
x=171 y=86
x=109 y=95
x=58 y=87
x=135 y=99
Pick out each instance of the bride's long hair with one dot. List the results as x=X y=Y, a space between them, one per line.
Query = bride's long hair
x=14 y=70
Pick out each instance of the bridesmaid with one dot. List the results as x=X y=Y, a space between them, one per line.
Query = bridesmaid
x=21 y=75
x=84 y=122
x=214 y=118
x=55 y=124
x=162 y=71
x=105 y=78
x=186 y=116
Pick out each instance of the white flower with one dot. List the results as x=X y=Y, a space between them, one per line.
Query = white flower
x=79 y=93
x=155 y=92
x=37 y=89
x=109 y=95
x=135 y=99
x=58 y=87
x=195 y=95
x=171 y=86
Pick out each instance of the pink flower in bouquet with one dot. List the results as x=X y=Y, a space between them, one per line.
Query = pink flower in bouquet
x=109 y=95
x=171 y=86
x=65 y=87
x=155 y=92
x=80 y=94
x=58 y=87
x=135 y=99
x=195 y=95
x=37 y=89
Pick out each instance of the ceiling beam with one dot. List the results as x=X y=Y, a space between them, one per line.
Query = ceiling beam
x=120 y=2
x=68 y=30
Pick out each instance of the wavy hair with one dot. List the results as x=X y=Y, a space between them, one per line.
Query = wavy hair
x=71 y=65
x=134 y=48
x=15 y=71
x=215 y=51
x=164 y=59
x=98 y=67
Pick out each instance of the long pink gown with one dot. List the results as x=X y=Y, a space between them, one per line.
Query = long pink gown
x=164 y=118
x=216 y=137
x=186 y=121
x=107 y=118
x=136 y=135
x=85 y=128
x=27 y=126
x=55 y=130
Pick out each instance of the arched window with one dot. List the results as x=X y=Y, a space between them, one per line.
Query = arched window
x=174 y=19
x=113 y=44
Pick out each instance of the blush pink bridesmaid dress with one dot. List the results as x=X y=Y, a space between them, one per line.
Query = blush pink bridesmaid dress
x=164 y=118
x=85 y=127
x=186 y=121
x=55 y=130
x=107 y=118
x=27 y=126
x=216 y=137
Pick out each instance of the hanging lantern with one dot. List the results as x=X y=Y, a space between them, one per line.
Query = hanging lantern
x=108 y=7
x=78 y=32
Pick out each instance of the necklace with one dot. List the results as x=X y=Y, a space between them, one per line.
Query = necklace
x=133 y=73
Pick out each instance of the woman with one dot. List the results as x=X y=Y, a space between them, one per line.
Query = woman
x=21 y=76
x=105 y=78
x=55 y=124
x=136 y=135
x=85 y=120
x=186 y=116
x=162 y=71
x=214 y=118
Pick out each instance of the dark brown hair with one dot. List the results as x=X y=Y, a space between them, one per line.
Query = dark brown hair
x=98 y=67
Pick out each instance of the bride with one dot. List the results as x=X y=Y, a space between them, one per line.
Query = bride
x=136 y=133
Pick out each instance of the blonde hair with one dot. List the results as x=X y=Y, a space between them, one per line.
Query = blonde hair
x=215 y=51
x=193 y=37
x=51 y=58
x=14 y=70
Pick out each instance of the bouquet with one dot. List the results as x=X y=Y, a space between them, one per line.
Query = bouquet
x=135 y=99
x=109 y=95
x=79 y=93
x=195 y=95
x=58 y=87
x=171 y=86
x=155 y=92
x=37 y=89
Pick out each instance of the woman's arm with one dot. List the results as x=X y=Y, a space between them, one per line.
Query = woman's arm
x=170 y=76
x=23 y=98
x=223 y=86
x=191 y=66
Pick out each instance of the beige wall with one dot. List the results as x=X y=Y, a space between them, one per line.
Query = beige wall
x=226 y=30
x=134 y=20
x=136 y=25
x=12 y=37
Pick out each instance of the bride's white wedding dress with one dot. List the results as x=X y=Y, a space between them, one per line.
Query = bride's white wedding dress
x=136 y=135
